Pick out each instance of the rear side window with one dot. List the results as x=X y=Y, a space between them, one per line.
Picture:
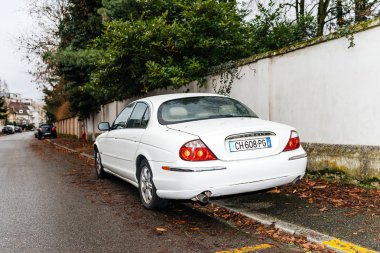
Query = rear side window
x=139 y=117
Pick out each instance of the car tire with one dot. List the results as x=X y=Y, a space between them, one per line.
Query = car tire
x=99 y=169
x=147 y=190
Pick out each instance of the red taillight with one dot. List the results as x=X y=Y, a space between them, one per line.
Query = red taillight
x=196 y=151
x=294 y=141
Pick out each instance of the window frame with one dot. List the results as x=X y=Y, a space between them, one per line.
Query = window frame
x=133 y=104
x=146 y=109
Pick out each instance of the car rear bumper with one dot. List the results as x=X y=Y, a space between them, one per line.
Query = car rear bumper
x=47 y=134
x=229 y=189
x=229 y=177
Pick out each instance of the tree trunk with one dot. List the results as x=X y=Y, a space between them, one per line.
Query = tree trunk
x=322 y=13
x=360 y=10
x=339 y=13
x=93 y=126
x=302 y=8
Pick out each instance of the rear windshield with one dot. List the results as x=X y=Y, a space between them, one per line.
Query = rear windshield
x=201 y=108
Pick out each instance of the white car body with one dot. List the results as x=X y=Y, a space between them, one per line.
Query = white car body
x=121 y=151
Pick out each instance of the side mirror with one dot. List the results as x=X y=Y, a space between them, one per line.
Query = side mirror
x=104 y=126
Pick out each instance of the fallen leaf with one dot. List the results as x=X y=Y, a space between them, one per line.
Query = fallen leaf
x=180 y=222
x=160 y=230
x=323 y=209
x=275 y=190
x=320 y=187
x=351 y=214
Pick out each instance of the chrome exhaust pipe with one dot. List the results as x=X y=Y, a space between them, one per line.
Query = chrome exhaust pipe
x=203 y=197
x=296 y=180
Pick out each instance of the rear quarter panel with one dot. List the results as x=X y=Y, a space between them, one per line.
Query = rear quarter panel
x=161 y=144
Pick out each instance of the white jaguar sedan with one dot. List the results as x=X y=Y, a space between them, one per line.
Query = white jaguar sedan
x=196 y=146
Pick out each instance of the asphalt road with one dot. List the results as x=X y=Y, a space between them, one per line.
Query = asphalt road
x=52 y=202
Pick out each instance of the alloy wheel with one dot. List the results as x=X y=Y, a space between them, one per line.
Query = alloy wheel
x=146 y=184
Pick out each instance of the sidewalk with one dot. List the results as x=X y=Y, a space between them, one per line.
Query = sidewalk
x=344 y=218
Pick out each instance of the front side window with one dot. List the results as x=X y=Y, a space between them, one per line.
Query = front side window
x=139 y=117
x=122 y=118
x=200 y=108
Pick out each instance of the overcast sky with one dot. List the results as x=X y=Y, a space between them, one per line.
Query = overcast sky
x=14 y=20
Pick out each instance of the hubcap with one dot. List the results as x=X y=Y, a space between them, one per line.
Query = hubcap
x=146 y=185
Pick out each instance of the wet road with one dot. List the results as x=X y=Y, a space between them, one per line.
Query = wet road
x=51 y=201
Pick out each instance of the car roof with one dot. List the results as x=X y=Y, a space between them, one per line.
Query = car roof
x=159 y=99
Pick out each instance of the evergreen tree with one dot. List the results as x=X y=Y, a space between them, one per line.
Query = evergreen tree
x=3 y=109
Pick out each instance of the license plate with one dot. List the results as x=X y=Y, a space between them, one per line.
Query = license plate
x=242 y=145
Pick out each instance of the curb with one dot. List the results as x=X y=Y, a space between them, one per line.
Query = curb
x=329 y=242
x=72 y=150
x=313 y=236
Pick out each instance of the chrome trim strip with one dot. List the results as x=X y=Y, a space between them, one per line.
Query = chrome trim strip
x=297 y=157
x=248 y=135
x=196 y=169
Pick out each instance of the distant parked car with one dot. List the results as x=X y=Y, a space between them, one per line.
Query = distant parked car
x=46 y=130
x=196 y=146
x=18 y=129
x=8 y=130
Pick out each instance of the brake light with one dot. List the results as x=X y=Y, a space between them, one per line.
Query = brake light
x=294 y=141
x=196 y=151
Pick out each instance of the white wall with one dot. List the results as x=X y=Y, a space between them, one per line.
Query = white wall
x=330 y=93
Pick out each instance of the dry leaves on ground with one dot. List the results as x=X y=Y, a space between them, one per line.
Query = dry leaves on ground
x=75 y=144
x=329 y=194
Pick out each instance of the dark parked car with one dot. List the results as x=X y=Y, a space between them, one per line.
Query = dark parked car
x=8 y=130
x=18 y=129
x=46 y=130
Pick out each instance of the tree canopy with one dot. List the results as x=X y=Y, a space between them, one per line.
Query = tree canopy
x=96 y=51
x=171 y=46
x=3 y=108
x=3 y=93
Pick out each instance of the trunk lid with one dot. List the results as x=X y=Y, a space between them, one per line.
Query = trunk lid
x=238 y=138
